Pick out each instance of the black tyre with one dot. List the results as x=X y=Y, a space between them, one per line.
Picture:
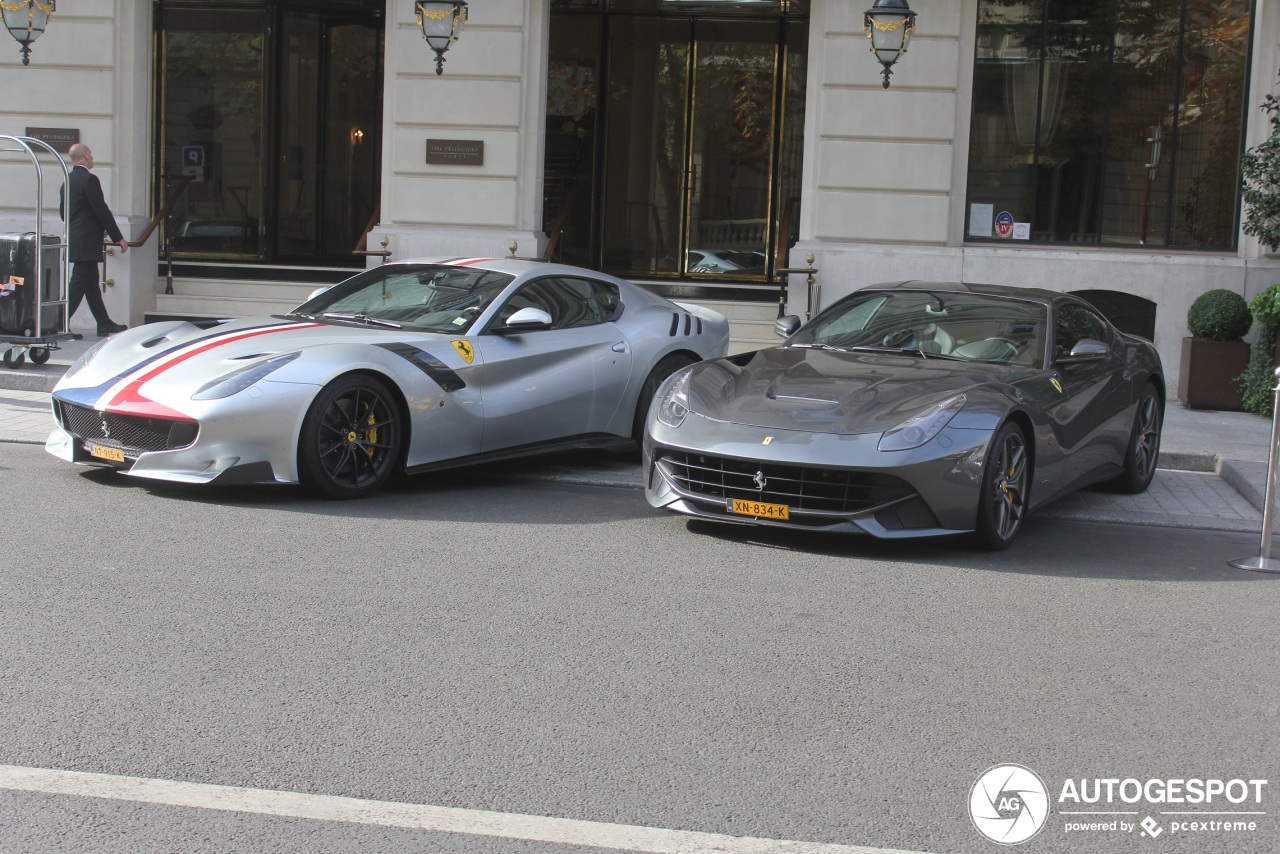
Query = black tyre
x=667 y=366
x=1144 y=444
x=14 y=361
x=351 y=438
x=39 y=355
x=1002 y=503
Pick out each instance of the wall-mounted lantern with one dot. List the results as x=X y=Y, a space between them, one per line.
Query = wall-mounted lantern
x=889 y=24
x=441 y=22
x=26 y=20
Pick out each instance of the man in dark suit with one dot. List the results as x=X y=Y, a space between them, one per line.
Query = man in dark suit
x=90 y=219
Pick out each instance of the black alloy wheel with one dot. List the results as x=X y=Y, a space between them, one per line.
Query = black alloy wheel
x=351 y=438
x=1002 y=502
x=1144 y=444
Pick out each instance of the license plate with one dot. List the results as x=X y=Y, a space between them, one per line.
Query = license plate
x=102 y=452
x=759 y=509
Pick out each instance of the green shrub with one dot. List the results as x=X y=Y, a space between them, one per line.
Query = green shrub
x=1260 y=171
x=1265 y=307
x=1219 y=314
x=1257 y=383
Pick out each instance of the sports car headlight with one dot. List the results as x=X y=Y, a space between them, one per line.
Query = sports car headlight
x=920 y=428
x=86 y=357
x=675 y=403
x=240 y=379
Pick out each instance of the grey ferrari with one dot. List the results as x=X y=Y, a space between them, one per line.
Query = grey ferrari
x=911 y=409
x=406 y=367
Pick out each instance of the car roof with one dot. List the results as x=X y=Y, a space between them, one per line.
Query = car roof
x=1035 y=294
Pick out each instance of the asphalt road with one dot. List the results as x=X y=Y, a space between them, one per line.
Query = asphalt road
x=477 y=642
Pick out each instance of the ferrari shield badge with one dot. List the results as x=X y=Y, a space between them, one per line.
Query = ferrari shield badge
x=1053 y=380
x=466 y=352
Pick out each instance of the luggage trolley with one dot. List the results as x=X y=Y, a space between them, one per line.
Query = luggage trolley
x=33 y=311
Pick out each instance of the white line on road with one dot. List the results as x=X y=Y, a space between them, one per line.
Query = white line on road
x=623 y=837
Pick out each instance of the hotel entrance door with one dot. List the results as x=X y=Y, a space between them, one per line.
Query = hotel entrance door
x=685 y=161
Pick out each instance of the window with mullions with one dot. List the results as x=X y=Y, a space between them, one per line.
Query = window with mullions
x=1114 y=122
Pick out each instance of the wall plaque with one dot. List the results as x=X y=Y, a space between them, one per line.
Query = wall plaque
x=455 y=152
x=60 y=138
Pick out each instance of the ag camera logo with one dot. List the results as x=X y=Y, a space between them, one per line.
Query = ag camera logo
x=1009 y=804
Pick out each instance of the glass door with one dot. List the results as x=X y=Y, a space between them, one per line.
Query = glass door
x=269 y=129
x=326 y=183
x=646 y=143
x=731 y=149
x=690 y=151
x=212 y=126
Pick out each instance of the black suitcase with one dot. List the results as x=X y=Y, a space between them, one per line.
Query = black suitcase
x=18 y=302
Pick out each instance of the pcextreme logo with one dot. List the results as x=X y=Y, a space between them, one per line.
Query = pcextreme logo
x=1010 y=803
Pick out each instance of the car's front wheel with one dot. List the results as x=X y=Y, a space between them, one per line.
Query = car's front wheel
x=1002 y=503
x=351 y=438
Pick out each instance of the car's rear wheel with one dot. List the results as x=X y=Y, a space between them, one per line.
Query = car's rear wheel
x=1002 y=504
x=1144 y=444
x=665 y=368
x=351 y=438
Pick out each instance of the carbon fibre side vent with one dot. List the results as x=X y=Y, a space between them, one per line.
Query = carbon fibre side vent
x=675 y=324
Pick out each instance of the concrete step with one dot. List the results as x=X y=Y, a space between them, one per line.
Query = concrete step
x=740 y=310
x=181 y=305
x=244 y=288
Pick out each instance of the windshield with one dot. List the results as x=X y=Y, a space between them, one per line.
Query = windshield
x=426 y=298
x=965 y=326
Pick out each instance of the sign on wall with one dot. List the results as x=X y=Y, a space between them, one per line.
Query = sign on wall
x=455 y=152
x=61 y=139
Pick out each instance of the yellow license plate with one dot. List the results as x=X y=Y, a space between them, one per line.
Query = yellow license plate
x=759 y=509
x=104 y=453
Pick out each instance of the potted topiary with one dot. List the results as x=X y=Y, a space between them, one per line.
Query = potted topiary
x=1215 y=354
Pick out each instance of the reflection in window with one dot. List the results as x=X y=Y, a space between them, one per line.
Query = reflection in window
x=213 y=129
x=1116 y=122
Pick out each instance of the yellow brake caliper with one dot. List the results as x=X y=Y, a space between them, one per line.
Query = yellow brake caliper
x=370 y=435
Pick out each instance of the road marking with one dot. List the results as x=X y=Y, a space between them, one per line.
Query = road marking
x=415 y=816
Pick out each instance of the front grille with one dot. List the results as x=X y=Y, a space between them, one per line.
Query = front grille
x=802 y=488
x=133 y=434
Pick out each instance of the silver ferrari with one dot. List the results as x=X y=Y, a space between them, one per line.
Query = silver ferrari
x=406 y=367
x=911 y=409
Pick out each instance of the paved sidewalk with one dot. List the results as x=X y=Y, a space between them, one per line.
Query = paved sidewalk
x=1212 y=476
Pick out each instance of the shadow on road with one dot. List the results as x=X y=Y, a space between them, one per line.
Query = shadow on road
x=1048 y=547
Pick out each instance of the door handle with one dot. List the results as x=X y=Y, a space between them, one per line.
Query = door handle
x=620 y=347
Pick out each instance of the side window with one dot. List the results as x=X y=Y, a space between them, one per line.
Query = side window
x=609 y=300
x=570 y=302
x=1073 y=323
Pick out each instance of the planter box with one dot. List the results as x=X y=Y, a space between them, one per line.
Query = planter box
x=1208 y=373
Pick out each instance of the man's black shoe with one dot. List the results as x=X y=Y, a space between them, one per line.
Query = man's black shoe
x=111 y=329
x=76 y=336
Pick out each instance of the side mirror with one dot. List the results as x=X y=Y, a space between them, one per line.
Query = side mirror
x=1086 y=350
x=785 y=327
x=525 y=320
